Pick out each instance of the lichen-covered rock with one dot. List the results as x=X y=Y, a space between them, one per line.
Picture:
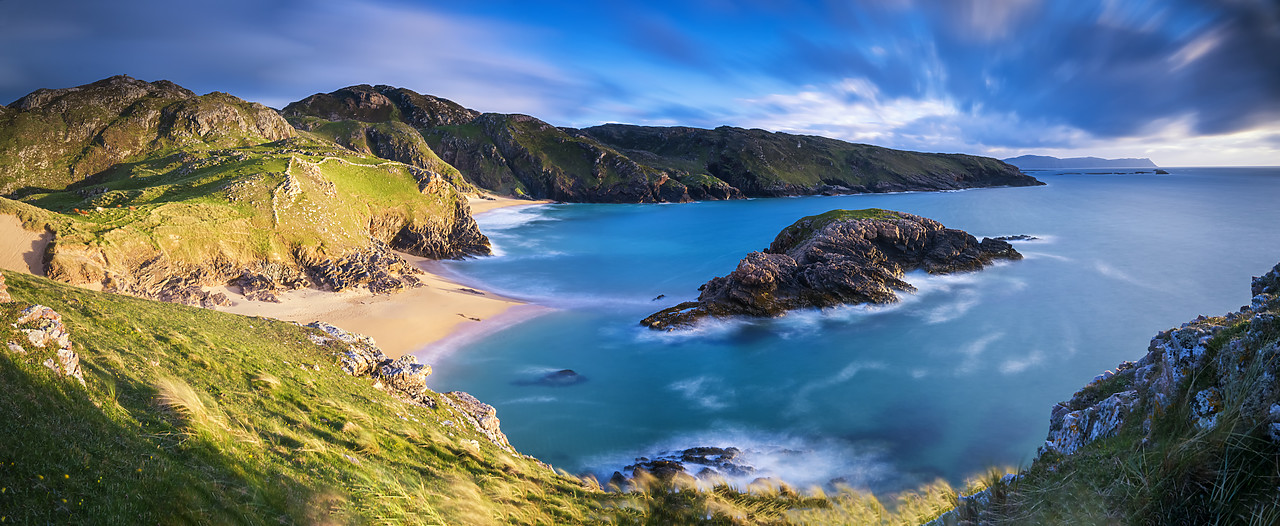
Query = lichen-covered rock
x=483 y=415
x=840 y=257
x=44 y=330
x=405 y=375
x=1068 y=431
x=1210 y=366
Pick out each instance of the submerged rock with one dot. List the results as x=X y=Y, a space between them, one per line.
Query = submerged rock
x=840 y=257
x=561 y=378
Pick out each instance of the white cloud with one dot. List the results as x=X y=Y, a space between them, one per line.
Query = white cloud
x=856 y=110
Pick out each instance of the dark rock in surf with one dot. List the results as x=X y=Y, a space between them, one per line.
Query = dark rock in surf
x=839 y=257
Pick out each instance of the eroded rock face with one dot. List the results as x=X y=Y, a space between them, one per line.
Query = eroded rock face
x=841 y=257
x=484 y=415
x=1209 y=365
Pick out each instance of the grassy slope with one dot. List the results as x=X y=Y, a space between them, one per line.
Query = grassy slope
x=780 y=158
x=266 y=428
x=196 y=416
x=229 y=205
x=1179 y=474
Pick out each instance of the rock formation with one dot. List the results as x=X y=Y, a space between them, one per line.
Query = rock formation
x=39 y=333
x=155 y=192
x=839 y=257
x=1209 y=365
x=359 y=355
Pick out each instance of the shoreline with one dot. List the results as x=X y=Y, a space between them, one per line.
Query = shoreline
x=412 y=321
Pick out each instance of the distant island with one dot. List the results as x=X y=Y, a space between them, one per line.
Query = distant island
x=1045 y=162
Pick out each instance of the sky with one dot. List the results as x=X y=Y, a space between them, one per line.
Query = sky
x=1183 y=82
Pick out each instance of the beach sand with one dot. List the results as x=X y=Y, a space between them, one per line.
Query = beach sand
x=21 y=249
x=410 y=321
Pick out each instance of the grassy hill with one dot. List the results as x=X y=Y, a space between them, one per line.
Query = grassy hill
x=190 y=415
x=154 y=191
x=521 y=155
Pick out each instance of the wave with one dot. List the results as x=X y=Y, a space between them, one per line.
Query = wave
x=510 y=217
x=708 y=392
x=799 y=461
x=532 y=400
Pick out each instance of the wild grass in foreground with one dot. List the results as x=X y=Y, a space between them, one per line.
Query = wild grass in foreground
x=195 y=416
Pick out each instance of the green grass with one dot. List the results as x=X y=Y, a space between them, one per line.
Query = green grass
x=192 y=415
x=806 y=227
x=1177 y=473
x=196 y=416
x=230 y=206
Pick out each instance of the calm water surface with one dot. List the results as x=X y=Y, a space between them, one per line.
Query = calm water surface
x=955 y=378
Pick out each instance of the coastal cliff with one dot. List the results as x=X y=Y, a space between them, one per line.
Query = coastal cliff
x=157 y=192
x=616 y=163
x=1187 y=434
x=839 y=257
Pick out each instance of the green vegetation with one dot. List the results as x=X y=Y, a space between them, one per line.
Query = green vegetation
x=765 y=163
x=275 y=203
x=807 y=226
x=196 y=416
x=1170 y=470
x=192 y=415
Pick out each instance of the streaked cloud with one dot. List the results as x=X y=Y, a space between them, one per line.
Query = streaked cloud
x=998 y=77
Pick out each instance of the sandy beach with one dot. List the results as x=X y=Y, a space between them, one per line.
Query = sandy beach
x=21 y=249
x=411 y=321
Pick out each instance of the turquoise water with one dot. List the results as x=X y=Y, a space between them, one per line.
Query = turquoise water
x=951 y=380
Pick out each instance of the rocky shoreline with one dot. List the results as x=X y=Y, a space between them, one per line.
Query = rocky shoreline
x=836 y=258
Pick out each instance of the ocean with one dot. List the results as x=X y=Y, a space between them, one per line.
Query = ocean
x=954 y=379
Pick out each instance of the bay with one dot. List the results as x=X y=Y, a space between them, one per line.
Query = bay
x=951 y=380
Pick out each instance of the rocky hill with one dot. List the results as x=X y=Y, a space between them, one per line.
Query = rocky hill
x=767 y=164
x=52 y=138
x=839 y=257
x=153 y=191
x=521 y=155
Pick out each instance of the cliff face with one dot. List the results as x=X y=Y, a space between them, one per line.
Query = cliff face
x=189 y=191
x=55 y=137
x=521 y=155
x=840 y=257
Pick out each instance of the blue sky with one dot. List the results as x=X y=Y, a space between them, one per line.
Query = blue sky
x=1183 y=82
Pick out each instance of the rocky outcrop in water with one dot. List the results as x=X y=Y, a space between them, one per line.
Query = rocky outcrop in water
x=1209 y=366
x=840 y=257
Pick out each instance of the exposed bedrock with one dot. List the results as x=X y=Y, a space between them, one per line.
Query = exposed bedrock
x=839 y=257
